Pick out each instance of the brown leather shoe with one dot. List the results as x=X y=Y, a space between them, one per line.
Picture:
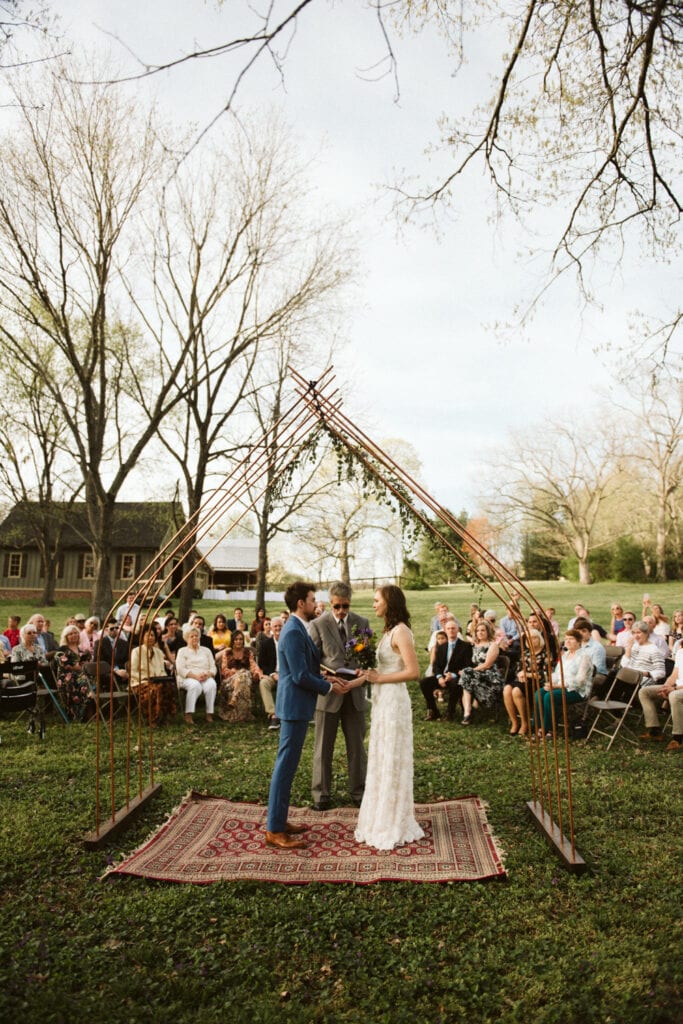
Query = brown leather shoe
x=658 y=738
x=432 y=716
x=296 y=830
x=674 y=745
x=284 y=842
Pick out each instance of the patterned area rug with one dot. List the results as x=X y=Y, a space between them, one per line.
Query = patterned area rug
x=209 y=839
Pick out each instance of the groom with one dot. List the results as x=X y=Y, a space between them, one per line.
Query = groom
x=299 y=682
x=329 y=632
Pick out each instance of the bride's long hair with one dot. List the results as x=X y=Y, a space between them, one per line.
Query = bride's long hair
x=395 y=601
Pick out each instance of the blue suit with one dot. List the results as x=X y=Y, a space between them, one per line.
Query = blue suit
x=298 y=687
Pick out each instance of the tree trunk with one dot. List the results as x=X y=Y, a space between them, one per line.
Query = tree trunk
x=344 y=558
x=262 y=565
x=186 y=599
x=660 y=544
x=48 y=597
x=101 y=518
x=584 y=572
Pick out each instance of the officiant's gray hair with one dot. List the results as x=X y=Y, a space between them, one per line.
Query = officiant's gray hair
x=340 y=589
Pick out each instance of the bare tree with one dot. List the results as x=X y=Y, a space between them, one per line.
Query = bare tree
x=35 y=471
x=660 y=453
x=73 y=175
x=349 y=528
x=238 y=263
x=584 y=112
x=556 y=481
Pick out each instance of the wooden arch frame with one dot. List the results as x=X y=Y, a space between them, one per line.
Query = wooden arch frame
x=317 y=406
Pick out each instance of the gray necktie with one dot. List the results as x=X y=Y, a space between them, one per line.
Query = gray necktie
x=342 y=631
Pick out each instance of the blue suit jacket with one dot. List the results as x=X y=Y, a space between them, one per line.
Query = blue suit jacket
x=299 y=680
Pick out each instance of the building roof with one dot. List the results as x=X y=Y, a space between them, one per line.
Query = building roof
x=136 y=524
x=231 y=555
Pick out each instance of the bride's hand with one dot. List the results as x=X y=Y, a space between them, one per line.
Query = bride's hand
x=372 y=675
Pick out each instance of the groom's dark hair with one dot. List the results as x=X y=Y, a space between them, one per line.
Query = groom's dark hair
x=296 y=592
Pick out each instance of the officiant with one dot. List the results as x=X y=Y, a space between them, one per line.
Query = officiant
x=330 y=633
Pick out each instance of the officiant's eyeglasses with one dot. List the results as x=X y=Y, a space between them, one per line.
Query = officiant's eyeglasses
x=344 y=605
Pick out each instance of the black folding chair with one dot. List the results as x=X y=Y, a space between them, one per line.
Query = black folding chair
x=17 y=697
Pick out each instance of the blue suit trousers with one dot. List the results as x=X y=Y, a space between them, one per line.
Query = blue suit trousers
x=292 y=738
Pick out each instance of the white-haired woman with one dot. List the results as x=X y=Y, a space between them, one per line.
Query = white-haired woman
x=196 y=674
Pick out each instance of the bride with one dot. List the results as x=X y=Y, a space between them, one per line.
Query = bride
x=387 y=818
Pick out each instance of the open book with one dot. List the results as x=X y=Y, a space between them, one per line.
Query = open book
x=343 y=672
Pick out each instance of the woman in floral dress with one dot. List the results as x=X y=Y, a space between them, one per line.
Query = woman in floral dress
x=239 y=676
x=482 y=682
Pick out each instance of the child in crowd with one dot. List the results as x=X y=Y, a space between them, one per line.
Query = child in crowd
x=12 y=631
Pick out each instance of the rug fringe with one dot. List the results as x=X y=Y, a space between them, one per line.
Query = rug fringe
x=190 y=795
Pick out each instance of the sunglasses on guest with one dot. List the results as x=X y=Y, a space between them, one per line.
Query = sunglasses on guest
x=341 y=605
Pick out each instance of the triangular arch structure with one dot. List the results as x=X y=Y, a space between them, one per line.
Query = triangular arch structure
x=317 y=407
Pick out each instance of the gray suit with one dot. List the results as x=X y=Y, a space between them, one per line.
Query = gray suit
x=329 y=711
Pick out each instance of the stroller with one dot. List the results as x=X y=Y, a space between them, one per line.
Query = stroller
x=21 y=696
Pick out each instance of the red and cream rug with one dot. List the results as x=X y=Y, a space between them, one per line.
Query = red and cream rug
x=209 y=839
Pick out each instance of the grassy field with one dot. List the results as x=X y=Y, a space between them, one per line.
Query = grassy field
x=542 y=945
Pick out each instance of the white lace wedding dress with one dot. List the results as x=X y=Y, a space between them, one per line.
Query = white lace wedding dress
x=387 y=817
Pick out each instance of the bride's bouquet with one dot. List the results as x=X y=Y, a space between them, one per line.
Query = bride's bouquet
x=360 y=647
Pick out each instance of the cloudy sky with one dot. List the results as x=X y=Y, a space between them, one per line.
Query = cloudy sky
x=427 y=362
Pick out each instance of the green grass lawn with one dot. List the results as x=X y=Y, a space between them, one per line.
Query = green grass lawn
x=543 y=945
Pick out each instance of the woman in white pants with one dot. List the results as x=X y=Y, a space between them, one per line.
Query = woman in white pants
x=195 y=669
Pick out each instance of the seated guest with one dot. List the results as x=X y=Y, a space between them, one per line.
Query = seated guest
x=617 y=625
x=676 y=632
x=550 y=613
x=195 y=669
x=198 y=621
x=625 y=635
x=221 y=636
x=447 y=617
x=656 y=638
x=257 y=622
x=90 y=634
x=449 y=659
x=532 y=674
x=579 y=612
x=44 y=637
x=482 y=682
x=129 y=609
x=111 y=652
x=440 y=638
x=475 y=615
x=440 y=613
x=661 y=622
x=590 y=644
x=238 y=621
x=577 y=670
x=239 y=675
x=644 y=656
x=266 y=659
x=73 y=685
x=509 y=641
x=651 y=698
x=12 y=632
x=172 y=637
x=149 y=678
x=28 y=649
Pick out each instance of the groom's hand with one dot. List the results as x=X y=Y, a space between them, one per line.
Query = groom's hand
x=338 y=685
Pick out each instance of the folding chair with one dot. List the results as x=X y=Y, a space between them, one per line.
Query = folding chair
x=621 y=699
x=613 y=656
x=20 y=697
